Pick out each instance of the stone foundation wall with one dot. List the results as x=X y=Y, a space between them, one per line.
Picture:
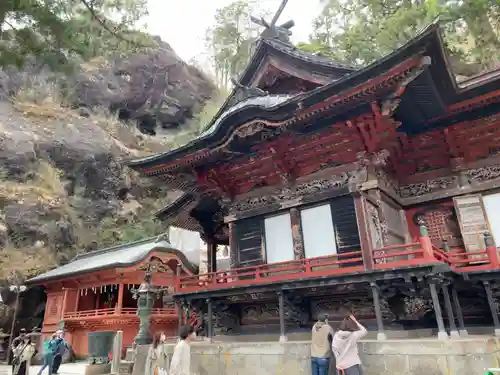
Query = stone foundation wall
x=391 y=357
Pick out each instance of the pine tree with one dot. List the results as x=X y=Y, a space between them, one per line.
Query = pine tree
x=55 y=30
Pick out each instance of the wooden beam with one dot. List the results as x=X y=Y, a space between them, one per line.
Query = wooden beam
x=65 y=300
x=119 y=304
x=363 y=229
x=211 y=255
x=298 y=240
x=233 y=245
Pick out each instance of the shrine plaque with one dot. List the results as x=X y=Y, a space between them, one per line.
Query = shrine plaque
x=473 y=222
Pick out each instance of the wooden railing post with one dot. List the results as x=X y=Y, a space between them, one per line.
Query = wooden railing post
x=491 y=250
x=119 y=304
x=425 y=241
x=446 y=246
x=178 y=277
x=77 y=300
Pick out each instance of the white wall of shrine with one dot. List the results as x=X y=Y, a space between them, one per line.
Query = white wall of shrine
x=188 y=242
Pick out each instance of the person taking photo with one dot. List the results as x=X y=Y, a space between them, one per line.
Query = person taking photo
x=345 y=346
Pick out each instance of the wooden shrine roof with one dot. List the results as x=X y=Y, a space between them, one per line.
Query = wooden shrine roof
x=235 y=148
x=290 y=59
x=429 y=99
x=113 y=257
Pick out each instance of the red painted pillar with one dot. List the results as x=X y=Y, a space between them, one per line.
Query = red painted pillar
x=491 y=250
x=65 y=301
x=119 y=305
x=77 y=300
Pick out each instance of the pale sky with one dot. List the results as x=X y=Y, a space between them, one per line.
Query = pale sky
x=182 y=23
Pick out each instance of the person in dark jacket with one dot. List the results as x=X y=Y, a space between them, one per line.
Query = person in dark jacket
x=49 y=349
x=61 y=347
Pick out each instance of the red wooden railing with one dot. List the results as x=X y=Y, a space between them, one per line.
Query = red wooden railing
x=395 y=256
x=265 y=273
x=399 y=256
x=127 y=311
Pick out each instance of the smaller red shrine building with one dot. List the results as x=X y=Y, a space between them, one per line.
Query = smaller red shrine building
x=94 y=291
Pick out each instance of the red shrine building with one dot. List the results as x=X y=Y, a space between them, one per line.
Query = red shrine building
x=94 y=292
x=337 y=189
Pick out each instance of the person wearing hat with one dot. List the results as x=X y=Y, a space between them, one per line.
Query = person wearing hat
x=20 y=338
x=15 y=343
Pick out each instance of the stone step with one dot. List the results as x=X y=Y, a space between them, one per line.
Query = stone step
x=129 y=356
x=126 y=367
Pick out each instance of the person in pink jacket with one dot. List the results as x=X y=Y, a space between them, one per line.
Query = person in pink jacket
x=345 y=346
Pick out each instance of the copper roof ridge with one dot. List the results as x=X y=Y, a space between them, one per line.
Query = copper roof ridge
x=113 y=248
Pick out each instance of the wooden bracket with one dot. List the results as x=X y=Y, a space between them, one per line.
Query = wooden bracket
x=378 y=129
x=216 y=180
x=283 y=163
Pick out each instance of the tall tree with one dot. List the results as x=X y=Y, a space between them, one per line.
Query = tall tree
x=231 y=39
x=53 y=30
x=360 y=31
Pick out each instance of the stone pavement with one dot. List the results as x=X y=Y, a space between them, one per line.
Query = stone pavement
x=77 y=368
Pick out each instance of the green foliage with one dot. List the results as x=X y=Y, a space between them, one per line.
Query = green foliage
x=361 y=31
x=230 y=41
x=113 y=231
x=57 y=30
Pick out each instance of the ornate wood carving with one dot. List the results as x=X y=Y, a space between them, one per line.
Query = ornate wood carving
x=297 y=237
x=284 y=195
x=260 y=313
x=409 y=307
x=484 y=174
x=427 y=187
x=225 y=318
x=375 y=230
x=387 y=182
x=155 y=265
x=248 y=297
x=295 y=311
x=233 y=246
x=338 y=306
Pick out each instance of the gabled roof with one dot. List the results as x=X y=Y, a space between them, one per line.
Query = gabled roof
x=112 y=257
x=291 y=59
x=427 y=98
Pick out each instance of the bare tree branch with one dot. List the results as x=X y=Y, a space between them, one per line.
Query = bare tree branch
x=105 y=26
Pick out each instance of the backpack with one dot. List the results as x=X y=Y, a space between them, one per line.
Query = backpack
x=48 y=347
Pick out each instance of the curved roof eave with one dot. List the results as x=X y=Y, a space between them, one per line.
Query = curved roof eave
x=412 y=47
x=266 y=104
x=68 y=270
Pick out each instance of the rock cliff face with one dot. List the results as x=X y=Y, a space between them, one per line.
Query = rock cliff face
x=63 y=187
x=157 y=89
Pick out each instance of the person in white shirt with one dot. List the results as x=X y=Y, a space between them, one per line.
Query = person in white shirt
x=345 y=346
x=181 y=359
